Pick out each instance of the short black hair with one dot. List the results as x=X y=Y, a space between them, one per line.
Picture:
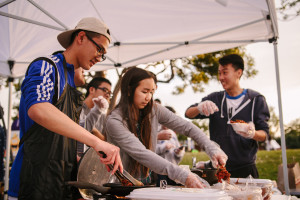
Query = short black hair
x=157 y=100
x=171 y=109
x=234 y=59
x=95 y=82
x=89 y=33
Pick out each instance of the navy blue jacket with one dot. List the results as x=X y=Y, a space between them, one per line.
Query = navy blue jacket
x=241 y=151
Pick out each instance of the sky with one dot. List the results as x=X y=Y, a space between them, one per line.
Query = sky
x=264 y=82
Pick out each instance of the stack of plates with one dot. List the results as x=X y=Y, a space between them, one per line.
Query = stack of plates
x=156 y=193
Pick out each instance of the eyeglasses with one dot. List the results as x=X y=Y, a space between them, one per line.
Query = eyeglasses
x=100 y=49
x=105 y=90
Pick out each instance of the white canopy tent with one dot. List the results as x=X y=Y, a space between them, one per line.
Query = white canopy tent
x=143 y=31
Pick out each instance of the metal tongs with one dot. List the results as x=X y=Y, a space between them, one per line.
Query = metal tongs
x=123 y=177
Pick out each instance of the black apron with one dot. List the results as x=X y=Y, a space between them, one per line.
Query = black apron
x=49 y=158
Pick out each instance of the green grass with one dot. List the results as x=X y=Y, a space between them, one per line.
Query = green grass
x=267 y=161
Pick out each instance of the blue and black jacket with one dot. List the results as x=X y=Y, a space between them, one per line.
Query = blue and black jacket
x=241 y=151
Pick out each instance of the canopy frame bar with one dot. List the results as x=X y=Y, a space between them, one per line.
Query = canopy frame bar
x=30 y=21
x=186 y=43
x=194 y=42
x=6 y=3
x=48 y=14
x=282 y=133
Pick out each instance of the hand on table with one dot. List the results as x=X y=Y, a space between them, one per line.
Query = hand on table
x=194 y=181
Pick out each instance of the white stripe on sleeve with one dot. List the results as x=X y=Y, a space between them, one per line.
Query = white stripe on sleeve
x=44 y=88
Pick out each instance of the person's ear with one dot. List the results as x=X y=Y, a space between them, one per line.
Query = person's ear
x=92 y=90
x=80 y=36
x=240 y=73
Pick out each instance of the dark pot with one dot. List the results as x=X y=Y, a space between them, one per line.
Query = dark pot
x=108 y=188
x=207 y=174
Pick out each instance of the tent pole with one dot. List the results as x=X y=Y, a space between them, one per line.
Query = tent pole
x=283 y=144
x=8 y=138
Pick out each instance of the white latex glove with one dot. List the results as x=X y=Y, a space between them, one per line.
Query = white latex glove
x=179 y=152
x=216 y=154
x=194 y=181
x=248 y=131
x=169 y=146
x=101 y=104
x=164 y=135
x=207 y=108
x=203 y=164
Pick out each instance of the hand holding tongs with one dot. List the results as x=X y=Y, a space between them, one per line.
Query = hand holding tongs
x=124 y=177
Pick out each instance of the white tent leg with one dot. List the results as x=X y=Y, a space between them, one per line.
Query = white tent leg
x=283 y=145
x=8 y=141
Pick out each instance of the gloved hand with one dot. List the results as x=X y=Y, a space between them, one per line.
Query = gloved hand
x=207 y=108
x=204 y=164
x=169 y=146
x=216 y=154
x=194 y=181
x=164 y=135
x=101 y=104
x=179 y=152
x=247 y=131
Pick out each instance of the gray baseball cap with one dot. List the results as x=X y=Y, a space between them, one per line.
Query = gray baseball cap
x=89 y=24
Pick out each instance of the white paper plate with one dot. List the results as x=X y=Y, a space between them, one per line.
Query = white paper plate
x=239 y=127
x=178 y=193
x=253 y=180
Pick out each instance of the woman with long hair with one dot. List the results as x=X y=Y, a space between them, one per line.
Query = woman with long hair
x=133 y=125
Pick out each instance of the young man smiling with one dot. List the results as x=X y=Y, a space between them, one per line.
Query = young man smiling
x=49 y=104
x=235 y=103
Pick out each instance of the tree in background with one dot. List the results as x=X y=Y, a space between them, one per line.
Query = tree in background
x=289 y=9
x=194 y=71
x=292 y=135
x=197 y=71
x=273 y=122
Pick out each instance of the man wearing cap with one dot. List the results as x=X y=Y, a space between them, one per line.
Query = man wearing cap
x=46 y=160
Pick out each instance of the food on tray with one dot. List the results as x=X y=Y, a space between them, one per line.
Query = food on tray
x=120 y=197
x=222 y=173
x=125 y=182
x=246 y=188
x=265 y=185
x=237 y=121
x=239 y=125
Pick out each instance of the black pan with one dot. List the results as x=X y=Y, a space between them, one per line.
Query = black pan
x=120 y=190
x=92 y=174
x=107 y=188
x=207 y=174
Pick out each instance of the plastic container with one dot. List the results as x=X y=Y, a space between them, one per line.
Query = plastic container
x=266 y=185
x=178 y=193
x=243 y=127
x=250 y=193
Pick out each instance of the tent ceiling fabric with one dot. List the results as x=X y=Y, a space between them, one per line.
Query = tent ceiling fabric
x=147 y=30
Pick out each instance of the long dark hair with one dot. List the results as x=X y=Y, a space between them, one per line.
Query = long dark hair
x=138 y=120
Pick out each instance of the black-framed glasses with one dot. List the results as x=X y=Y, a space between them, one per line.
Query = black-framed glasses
x=105 y=90
x=100 y=49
